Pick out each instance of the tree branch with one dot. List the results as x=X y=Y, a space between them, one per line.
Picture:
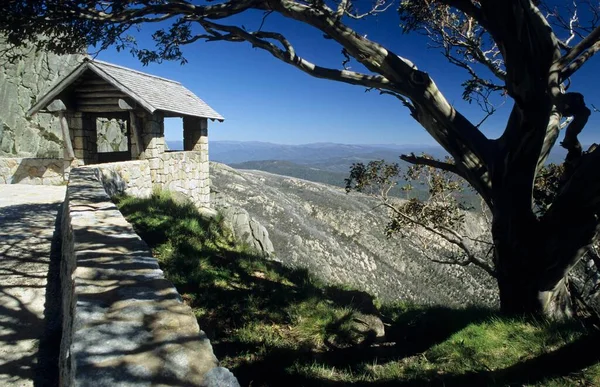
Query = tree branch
x=288 y=55
x=379 y=7
x=454 y=132
x=581 y=53
x=432 y=163
x=341 y=9
x=580 y=61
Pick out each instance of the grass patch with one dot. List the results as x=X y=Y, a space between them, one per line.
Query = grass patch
x=275 y=326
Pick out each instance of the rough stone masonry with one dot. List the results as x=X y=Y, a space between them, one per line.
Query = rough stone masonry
x=21 y=81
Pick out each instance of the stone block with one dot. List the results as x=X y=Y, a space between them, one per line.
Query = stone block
x=56 y=180
x=33 y=171
x=155 y=176
x=154 y=163
x=78 y=142
x=35 y=180
x=204 y=168
x=13 y=163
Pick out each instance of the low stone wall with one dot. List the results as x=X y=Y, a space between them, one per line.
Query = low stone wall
x=123 y=323
x=184 y=172
x=33 y=171
x=187 y=172
x=129 y=177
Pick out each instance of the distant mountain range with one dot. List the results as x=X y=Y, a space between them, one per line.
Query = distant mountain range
x=319 y=162
x=230 y=152
x=321 y=154
x=327 y=163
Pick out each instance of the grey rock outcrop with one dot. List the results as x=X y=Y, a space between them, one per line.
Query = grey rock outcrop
x=340 y=238
x=21 y=82
x=247 y=229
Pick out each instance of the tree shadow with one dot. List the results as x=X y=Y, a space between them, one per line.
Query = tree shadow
x=233 y=289
x=47 y=360
x=430 y=327
x=27 y=236
x=563 y=362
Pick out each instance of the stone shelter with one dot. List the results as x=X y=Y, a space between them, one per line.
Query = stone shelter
x=112 y=114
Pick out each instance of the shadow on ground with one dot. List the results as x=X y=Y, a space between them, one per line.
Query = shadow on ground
x=29 y=294
x=253 y=310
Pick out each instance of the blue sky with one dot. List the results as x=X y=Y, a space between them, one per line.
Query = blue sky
x=263 y=99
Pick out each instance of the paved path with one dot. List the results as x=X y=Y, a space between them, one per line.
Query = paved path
x=27 y=225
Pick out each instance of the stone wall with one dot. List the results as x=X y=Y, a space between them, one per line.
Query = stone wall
x=33 y=171
x=129 y=177
x=187 y=172
x=21 y=82
x=123 y=322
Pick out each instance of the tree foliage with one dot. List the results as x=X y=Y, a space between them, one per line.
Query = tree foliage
x=436 y=222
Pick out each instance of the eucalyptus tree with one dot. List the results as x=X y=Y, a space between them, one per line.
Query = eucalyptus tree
x=524 y=50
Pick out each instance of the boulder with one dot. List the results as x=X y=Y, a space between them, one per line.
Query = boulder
x=247 y=230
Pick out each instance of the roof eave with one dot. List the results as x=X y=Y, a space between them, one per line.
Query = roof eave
x=108 y=78
x=217 y=116
x=57 y=89
x=76 y=73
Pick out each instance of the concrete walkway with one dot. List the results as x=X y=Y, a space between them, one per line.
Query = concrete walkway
x=28 y=337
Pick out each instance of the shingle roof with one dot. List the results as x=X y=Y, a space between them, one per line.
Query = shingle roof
x=151 y=92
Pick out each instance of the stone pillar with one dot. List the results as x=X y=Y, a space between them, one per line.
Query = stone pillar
x=204 y=194
x=195 y=134
x=195 y=138
x=153 y=136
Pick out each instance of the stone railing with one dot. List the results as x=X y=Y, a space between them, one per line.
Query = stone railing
x=33 y=171
x=123 y=322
